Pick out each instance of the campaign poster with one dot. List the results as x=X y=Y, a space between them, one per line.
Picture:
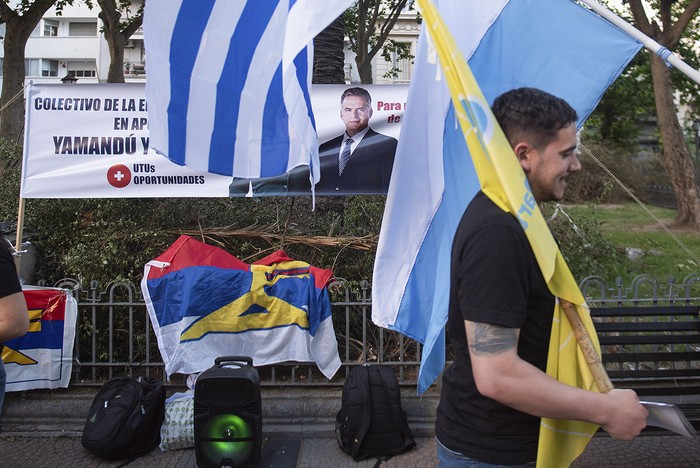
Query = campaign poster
x=92 y=141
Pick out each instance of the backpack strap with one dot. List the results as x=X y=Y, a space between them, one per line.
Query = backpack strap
x=361 y=375
x=398 y=420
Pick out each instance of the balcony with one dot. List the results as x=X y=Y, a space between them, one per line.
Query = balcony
x=134 y=69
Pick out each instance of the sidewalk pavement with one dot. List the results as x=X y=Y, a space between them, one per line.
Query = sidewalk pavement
x=44 y=427
x=602 y=452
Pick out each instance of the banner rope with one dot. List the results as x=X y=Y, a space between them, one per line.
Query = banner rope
x=13 y=99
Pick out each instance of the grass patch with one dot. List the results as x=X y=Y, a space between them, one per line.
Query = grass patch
x=628 y=226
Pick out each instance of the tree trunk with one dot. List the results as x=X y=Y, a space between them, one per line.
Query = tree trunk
x=329 y=57
x=677 y=158
x=364 y=69
x=12 y=115
x=17 y=31
x=116 y=41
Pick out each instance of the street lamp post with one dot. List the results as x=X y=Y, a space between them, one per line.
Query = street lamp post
x=69 y=78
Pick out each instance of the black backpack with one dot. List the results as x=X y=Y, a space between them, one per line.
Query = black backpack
x=125 y=418
x=371 y=422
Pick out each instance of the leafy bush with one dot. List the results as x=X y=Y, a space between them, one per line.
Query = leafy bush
x=585 y=247
x=594 y=185
x=10 y=169
x=111 y=239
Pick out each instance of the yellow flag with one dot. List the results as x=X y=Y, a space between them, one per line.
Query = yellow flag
x=504 y=182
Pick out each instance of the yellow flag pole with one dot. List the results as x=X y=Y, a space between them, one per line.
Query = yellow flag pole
x=589 y=351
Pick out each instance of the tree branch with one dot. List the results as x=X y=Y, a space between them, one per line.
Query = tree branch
x=387 y=26
x=675 y=33
x=640 y=17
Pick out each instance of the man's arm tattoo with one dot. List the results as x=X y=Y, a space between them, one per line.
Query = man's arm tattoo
x=492 y=339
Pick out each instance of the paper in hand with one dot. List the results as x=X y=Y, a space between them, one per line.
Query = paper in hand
x=668 y=417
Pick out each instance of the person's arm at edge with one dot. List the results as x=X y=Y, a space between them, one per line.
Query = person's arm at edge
x=14 y=318
x=502 y=375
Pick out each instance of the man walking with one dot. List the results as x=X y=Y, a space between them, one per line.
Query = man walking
x=500 y=312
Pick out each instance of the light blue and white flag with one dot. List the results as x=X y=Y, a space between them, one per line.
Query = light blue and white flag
x=228 y=83
x=554 y=45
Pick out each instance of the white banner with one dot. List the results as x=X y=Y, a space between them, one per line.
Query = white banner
x=91 y=141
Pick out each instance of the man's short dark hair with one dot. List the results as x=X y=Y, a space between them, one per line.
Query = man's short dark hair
x=357 y=91
x=532 y=114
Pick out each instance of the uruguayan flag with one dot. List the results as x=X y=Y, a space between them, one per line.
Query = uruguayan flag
x=554 y=45
x=228 y=82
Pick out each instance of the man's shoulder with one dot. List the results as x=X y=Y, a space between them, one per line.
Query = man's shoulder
x=335 y=142
x=482 y=213
x=374 y=135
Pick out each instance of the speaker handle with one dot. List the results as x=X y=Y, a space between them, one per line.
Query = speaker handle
x=221 y=361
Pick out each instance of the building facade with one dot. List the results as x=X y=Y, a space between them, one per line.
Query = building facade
x=72 y=43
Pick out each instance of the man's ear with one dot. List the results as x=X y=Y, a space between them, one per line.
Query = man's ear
x=523 y=152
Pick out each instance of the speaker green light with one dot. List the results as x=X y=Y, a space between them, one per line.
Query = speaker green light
x=227 y=436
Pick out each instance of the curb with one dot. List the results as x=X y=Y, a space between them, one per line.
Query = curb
x=287 y=412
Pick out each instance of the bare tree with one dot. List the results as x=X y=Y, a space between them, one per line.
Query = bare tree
x=673 y=20
x=121 y=20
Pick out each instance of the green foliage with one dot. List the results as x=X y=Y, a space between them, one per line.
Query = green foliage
x=629 y=226
x=616 y=119
x=631 y=96
x=10 y=164
x=365 y=20
x=109 y=239
x=394 y=51
x=594 y=185
x=585 y=247
x=368 y=24
x=688 y=91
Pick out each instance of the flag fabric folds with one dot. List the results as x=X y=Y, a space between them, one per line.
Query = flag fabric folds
x=553 y=45
x=43 y=357
x=228 y=83
x=449 y=151
x=205 y=303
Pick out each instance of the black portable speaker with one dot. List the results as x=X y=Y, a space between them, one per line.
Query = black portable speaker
x=228 y=414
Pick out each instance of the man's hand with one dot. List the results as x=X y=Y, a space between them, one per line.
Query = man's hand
x=626 y=416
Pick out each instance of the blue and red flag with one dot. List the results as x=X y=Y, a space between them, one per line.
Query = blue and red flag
x=43 y=358
x=204 y=303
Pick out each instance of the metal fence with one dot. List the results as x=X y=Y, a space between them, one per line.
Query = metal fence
x=114 y=334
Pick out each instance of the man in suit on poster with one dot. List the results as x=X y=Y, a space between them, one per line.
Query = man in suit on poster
x=357 y=162
x=360 y=160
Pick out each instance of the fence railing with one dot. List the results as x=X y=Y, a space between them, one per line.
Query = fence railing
x=114 y=335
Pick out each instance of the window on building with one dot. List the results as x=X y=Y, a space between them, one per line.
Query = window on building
x=49 y=67
x=404 y=70
x=390 y=67
x=83 y=69
x=84 y=73
x=82 y=29
x=50 y=28
x=32 y=67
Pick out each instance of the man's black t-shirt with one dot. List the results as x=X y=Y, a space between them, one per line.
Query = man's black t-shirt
x=495 y=279
x=9 y=283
